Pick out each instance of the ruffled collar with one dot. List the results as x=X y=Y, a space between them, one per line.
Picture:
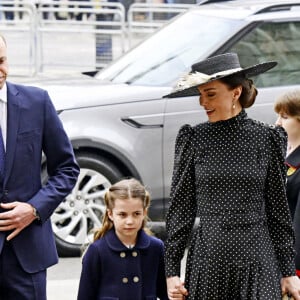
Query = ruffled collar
x=234 y=121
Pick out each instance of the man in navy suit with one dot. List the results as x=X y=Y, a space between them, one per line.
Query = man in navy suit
x=29 y=126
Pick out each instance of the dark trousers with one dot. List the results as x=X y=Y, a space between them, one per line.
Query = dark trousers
x=15 y=283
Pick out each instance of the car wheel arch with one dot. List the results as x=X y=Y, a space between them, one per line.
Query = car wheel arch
x=111 y=154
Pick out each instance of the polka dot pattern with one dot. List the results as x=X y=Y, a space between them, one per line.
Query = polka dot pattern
x=231 y=174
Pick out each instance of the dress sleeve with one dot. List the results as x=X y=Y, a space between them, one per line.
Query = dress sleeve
x=182 y=212
x=277 y=210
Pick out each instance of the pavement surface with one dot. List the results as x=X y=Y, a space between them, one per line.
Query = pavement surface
x=63 y=279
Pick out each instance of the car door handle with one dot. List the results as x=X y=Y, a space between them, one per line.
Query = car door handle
x=138 y=125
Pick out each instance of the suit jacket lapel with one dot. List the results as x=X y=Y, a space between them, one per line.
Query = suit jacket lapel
x=13 y=119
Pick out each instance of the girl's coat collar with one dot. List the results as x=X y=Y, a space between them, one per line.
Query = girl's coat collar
x=143 y=241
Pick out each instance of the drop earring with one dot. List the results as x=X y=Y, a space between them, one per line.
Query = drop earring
x=233 y=106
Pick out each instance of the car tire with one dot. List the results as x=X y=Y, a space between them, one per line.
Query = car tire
x=82 y=210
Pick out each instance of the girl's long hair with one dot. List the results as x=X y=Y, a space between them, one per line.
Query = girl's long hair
x=124 y=189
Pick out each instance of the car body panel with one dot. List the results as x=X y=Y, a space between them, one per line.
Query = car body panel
x=104 y=125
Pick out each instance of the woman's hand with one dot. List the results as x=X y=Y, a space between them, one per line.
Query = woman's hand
x=291 y=285
x=176 y=289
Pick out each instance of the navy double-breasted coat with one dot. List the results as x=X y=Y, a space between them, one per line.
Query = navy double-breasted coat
x=111 y=271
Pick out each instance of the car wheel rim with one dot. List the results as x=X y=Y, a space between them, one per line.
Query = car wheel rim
x=82 y=210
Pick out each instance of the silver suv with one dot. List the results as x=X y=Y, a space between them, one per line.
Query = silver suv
x=120 y=125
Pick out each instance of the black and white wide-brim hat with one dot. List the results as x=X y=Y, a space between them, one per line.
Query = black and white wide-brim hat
x=214 y=68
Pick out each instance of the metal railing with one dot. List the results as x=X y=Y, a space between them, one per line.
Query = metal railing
x=92 y=33
x=145 y=18
x=104 y=26
x=24 y=52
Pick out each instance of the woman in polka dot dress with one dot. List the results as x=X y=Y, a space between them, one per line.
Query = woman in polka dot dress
x=230 y=173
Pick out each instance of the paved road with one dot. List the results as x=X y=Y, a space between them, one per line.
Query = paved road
x=63 y=279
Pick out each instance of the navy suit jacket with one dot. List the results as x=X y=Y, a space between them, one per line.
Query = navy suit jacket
x=33 y=126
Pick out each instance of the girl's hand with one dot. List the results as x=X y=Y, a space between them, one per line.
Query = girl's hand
x=176 y=289
x=291 y=285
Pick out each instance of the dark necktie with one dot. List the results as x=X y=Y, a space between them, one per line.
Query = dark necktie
x=2 y=156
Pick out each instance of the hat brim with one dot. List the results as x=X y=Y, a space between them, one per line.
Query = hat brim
x=248 y=72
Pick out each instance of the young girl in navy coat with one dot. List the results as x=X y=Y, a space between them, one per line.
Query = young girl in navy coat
x=124 y=262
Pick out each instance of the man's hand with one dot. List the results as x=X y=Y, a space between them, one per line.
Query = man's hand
x=18 y=216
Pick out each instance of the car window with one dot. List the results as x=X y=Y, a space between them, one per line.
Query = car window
x=273 y=41
x=163 y=57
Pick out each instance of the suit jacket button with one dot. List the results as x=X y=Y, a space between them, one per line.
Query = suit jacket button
x=134 y=254
x=125 y=280
x=122 y=254
x=136 y=279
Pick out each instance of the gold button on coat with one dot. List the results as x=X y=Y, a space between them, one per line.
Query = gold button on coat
x=123 y=254
x=134 y=254
x=124 y=279
x=136 y=279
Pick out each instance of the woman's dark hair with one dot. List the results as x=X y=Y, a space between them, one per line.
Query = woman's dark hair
x=249 y=91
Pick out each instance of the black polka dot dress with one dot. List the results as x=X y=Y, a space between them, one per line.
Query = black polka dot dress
x=231 y=174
